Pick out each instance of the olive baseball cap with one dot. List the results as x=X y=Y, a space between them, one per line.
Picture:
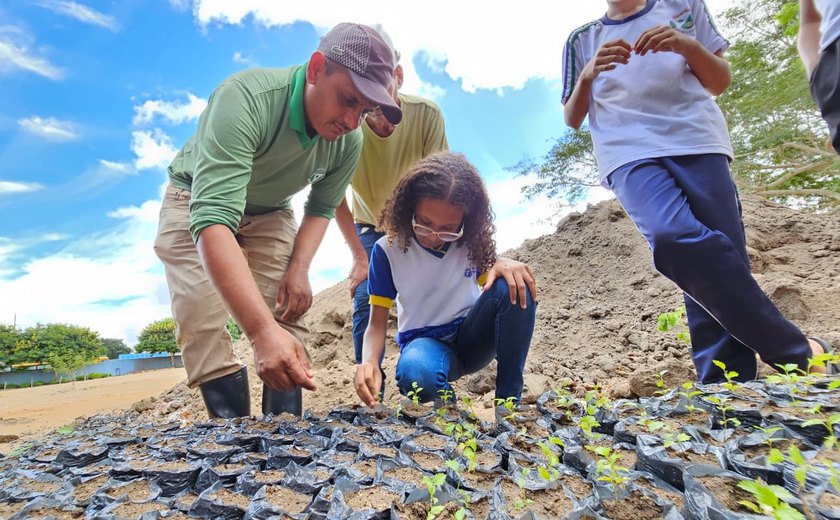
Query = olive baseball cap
x=369 y=60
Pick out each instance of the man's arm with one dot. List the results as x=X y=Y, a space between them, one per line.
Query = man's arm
x=344 y=219
x=368 y=378
x=294 y=286
x=809 y=35
x=279 y=357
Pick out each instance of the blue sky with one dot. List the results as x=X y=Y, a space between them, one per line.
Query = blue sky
x=98 y=96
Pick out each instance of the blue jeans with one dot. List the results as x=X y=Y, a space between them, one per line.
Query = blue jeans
x=688 y=210
x=361 y=305
x=494 y=328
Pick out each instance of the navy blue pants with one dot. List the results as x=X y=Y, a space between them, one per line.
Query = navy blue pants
x=361 y=305
x=687 y=208
x=494 y=328
x=825 y=89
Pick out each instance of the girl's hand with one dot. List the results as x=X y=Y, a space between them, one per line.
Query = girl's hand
x=518 y=277
x=664 y=38
x=368 y=381
x=612 y=52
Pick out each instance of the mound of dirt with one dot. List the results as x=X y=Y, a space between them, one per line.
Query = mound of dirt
x=599 y=299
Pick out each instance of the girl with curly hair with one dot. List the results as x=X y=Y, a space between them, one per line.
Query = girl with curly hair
x=459 y=306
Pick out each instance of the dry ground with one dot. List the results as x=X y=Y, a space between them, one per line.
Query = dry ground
x=29 y=412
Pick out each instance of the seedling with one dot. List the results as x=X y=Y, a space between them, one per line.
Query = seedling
x=675 y=320
x=469 y=448
x=650 y=423
x=522 y=503
x=670 y=439
x=414 y=393
x=770 y=500
x=608 y=469
x=730 y=376
x=689 y=392
x=446 y=396
x=827 y=423
x=468 y=402
x=509 y=405
x=587 y=423
x=660 y=382
x=720 y=402
x=432 y=484
x=774 y=456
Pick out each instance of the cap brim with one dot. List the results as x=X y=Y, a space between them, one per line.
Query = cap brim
x=373 y=92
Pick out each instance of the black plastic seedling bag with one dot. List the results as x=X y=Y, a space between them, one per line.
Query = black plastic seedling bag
x=702 y=504
x=46 y=508
x=224 y=473
x=825 y=509
x=18 y=491
x=261 y=508
x=81 y=455
x=655 y=459
x=172 y=477
x=307 y=479
x=605 y=493
x=339 y=507
x=210 y=505
x=756 y=467
x=501 y=510
x=816 y=476
x=281 y=456
x=211 y=452
x=562 y=410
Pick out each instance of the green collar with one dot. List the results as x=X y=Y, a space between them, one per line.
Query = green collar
x=297 y=112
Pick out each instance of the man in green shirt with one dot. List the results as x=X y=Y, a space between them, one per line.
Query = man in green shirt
x=387 y=154
x=227 y=236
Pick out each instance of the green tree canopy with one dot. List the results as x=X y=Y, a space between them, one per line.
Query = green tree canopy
x=158 y=336
x=779 y=139
x=114 y=347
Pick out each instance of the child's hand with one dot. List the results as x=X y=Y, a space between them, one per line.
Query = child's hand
x=518 y=277
x=368 y=381
x=612 y=52
x=663 y=38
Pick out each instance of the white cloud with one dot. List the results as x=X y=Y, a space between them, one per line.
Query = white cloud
x=170 y=111
x=16 y=54
x=7 y=187
x=489 y=47
x=49 y=128
x=241 y=59
x=115 y=166
x=111 y=283
x=81 y=13
x=153 y=149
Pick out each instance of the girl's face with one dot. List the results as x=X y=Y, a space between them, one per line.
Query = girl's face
x=439 y=216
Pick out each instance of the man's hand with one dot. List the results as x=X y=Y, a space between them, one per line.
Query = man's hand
x=368 y=382
x=358 y=273
x=296 y=292
x=518 y=277
x=611 y=53
x=664 y=38
x=281 y=360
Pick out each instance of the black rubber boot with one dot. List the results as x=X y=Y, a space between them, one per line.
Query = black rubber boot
x=227 y=396
x=280 y=401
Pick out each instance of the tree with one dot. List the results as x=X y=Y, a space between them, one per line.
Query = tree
x=781 y=142
x=9 y=338
x=114 y=347
x=57 y=339
x=65 y=363
x=158 y=336
x=779 y=139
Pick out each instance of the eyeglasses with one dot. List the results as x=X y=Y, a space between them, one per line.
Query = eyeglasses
x=446 y=236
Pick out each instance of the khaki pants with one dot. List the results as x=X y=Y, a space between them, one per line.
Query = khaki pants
x=200 y=315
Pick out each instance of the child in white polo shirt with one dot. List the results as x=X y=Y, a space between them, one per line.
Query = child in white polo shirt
x=644 y=74
x=459 y=306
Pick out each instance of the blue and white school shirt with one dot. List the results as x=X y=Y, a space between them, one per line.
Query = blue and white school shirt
x=434 y=290
x=654 y=106
x=830 y=23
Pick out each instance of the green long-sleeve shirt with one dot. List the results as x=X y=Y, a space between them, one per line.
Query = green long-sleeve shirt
x=251 y=152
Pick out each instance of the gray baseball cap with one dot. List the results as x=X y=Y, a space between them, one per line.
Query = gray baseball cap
x=369 y=60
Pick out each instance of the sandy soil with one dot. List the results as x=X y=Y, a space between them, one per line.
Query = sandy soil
x=29 y=412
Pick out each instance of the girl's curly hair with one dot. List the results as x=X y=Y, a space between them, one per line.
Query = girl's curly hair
x=449 y=177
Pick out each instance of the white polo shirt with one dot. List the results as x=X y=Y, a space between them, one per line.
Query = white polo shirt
x=654 y=106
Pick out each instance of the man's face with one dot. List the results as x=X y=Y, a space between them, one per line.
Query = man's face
x=376 y=120
x=332 y=103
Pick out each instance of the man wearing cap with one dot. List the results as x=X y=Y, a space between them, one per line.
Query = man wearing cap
x=387 y=154
x=227 y=236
